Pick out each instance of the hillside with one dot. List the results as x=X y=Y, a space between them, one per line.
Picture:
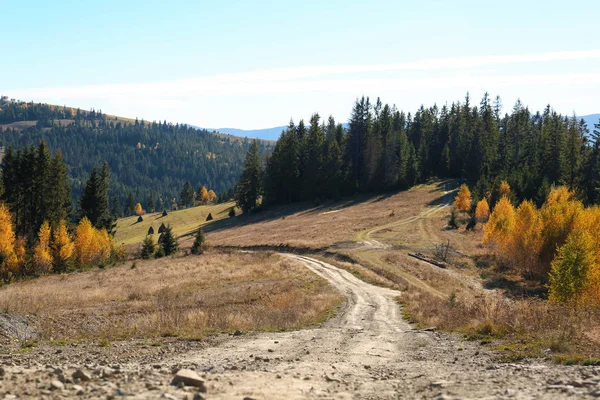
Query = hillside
x=591 y=120
x=144 y=158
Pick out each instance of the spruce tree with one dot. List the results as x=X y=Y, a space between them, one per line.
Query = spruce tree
x=148 y=248
x=249 y=188
x=130 y=205
x=198 y=246
x=187 y=194
x=167 y=241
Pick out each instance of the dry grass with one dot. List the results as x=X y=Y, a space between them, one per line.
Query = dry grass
x=525 y=327
x=188 y=297
x=316 y=227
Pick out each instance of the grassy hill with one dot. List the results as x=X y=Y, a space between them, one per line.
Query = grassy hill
x=146 y=159
x=184 y=223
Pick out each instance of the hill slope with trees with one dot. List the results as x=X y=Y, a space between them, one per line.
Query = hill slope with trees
x=147 y=160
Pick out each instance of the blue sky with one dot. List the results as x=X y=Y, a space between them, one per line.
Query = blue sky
x=256 y=64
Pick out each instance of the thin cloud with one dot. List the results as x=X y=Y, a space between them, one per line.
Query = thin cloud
x=334 y=77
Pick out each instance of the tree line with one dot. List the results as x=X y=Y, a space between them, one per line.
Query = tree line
x=38 y=233
x=387 y=149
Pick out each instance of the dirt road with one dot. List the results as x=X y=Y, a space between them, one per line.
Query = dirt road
x=366 y=352
x=369 y=351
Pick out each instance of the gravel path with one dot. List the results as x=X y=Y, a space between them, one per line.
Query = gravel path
x=368 y=351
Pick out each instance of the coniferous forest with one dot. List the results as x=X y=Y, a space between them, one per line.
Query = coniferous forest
x=385 y=149
x=148 y=161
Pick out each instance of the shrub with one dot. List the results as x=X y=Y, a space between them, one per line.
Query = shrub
x=232 y=212
x=209 y=217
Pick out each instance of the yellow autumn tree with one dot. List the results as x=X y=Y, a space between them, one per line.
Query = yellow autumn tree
x=138 y=209
x=559 y=213
x=504 y=189
x=42 y=258
x=499 y=228
x=482 y=211
x=203 y=194
x=463 y=199
x=9 y=261
x=526 y=241
x=212 y=196
x=92 y=246
x=570 y=270
x=63 y=248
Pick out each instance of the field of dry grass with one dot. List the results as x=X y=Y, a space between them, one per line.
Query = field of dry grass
x=314 y=227
x=188 y=297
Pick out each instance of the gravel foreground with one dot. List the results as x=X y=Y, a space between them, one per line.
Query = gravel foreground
x=368 y=351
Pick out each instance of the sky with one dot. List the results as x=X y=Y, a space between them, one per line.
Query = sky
x=256 y=64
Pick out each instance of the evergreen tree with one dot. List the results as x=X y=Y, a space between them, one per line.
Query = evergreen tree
x=148 y=248
x=187 y=195
x=115 y=208
x=249 y=188
x=130 y=205
x=94 y=201
x=151 y=203
x=167 y=241
x=198 y=246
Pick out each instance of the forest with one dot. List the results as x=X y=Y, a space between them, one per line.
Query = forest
x=386 y=149
x=147 y=160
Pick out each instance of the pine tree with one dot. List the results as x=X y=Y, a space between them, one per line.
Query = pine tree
x=115 y=208
x=151 y=203
x=148 y=248
x=249 y=188
x=187 y=194
x=167 y=241
x=58 y=192
x=94 y=201
x=198 y=246
x=130 y=205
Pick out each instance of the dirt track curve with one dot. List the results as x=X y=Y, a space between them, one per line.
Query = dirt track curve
x=369 y=352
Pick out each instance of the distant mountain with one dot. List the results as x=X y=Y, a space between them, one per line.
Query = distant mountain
x=265 y=134
x=591 y=120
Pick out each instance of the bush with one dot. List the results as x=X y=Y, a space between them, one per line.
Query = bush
x=140 y=219
x=209 y=217
x=198 y=246
x=165 y=213
x=232 y=212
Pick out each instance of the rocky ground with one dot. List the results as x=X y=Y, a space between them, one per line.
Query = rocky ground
x=367 y=351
